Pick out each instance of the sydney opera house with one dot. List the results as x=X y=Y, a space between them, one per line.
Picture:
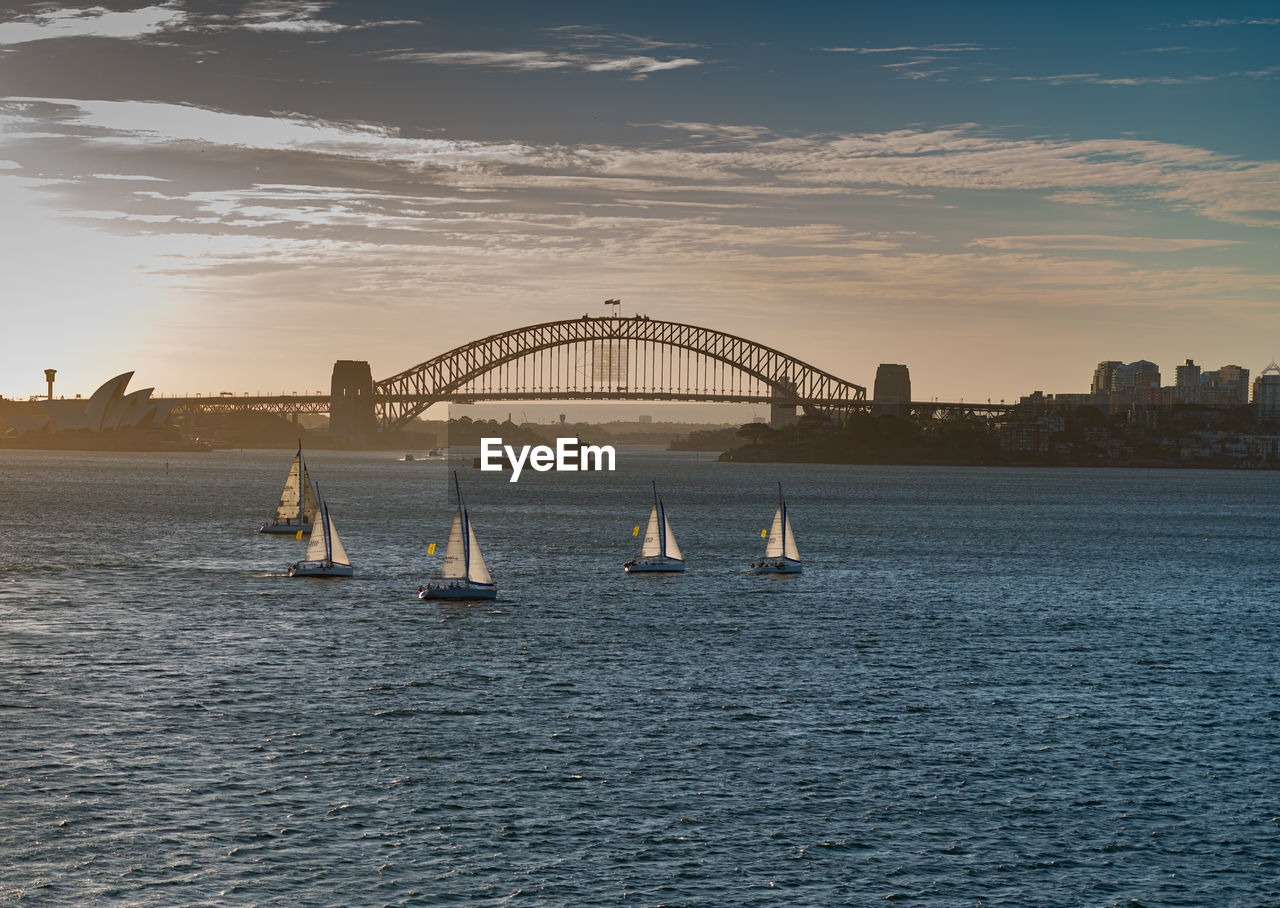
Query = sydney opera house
x=110 y=414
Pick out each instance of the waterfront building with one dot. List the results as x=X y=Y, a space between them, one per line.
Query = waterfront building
x=107 y=409
x=1266 y=393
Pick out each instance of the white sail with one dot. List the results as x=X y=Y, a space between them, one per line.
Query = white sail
x=455 y=556
x=789 y=550
x=670 y=548
x=337 y=552
x=317 y=547
x=652 y=541
x=287 y=509
x=477 y=571
x=773 y=548
x=310 y=504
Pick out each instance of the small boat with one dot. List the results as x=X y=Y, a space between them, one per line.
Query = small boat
x=660 y=552
x=780 y=553
x=407 y=458
x=326 y=556
x=296 y=511
x=435 y=452
x=464 y=574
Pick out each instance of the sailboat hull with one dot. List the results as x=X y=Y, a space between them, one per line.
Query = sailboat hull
x=458 y=592
x=653 y=566
x=285 y=529
x=320 y=569
x=776 y=567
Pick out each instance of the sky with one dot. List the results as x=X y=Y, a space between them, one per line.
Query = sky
x=230 y=196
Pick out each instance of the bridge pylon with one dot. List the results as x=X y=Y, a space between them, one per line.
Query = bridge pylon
x=352 y=416
x=783 y=414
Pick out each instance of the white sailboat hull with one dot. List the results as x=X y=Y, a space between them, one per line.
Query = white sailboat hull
x=285 y=528
x=320 y=569
x=654 y=565
x=459 y=590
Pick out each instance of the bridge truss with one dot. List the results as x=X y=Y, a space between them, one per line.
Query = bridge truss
x=598 y=358
x=612 y=358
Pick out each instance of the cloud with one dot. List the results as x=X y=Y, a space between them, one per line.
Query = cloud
x=145 y=22
x=1099 y=79
x=921 y=59
x=718 y=130
x=535 y=60
x=741 y=165
x=93 y=22
x=293 y=16
x=132 y=178
x=583 y=48
x=591 y=36
x=1222 y=23
x=1098 y=242
x=910 y=48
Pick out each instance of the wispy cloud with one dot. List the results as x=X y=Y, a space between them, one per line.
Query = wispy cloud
x=1098 y=242
x=921 y=61
x=535 y=60
x=582 y=48
x=586 y=37
x=740 y=165
x=1223 y=23
x=716 y=130
x=910 y=48
x=93 y=22
x=151 y=21
x=292 y=16
x=1099 y=79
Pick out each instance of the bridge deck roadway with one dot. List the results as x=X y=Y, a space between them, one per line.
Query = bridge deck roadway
x=315 y=403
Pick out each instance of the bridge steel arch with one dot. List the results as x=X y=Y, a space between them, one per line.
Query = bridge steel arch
x=487 y=369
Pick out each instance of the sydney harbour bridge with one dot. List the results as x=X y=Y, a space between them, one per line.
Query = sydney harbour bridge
x=612 y=357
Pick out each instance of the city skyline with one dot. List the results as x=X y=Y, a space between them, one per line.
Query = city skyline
x=235 y=195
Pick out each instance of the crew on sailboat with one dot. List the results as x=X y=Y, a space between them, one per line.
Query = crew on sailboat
x=781 y=556
x=326 y=556
x=464 y=570
x=660 y=551
x=297 y=509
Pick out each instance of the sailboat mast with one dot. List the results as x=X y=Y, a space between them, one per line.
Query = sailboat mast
x=466 y=530
x=662 y=522
x=302 y=490
x=328 y=539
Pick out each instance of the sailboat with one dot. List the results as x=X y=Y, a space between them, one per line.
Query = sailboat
x=660 y=551
x=780 y=553
x=464 y=574
x=326 y=556
x=296 y=511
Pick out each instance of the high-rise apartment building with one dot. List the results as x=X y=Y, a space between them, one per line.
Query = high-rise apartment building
x=1104 y=376
x=1266 y=393
x=1225 y=387
x=1235 y=379
x=1140 y=376
x=1187 y=389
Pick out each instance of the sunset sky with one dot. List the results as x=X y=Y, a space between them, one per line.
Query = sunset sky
x=231 y=196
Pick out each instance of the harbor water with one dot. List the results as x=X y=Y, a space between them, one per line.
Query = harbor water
x=987 y=687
